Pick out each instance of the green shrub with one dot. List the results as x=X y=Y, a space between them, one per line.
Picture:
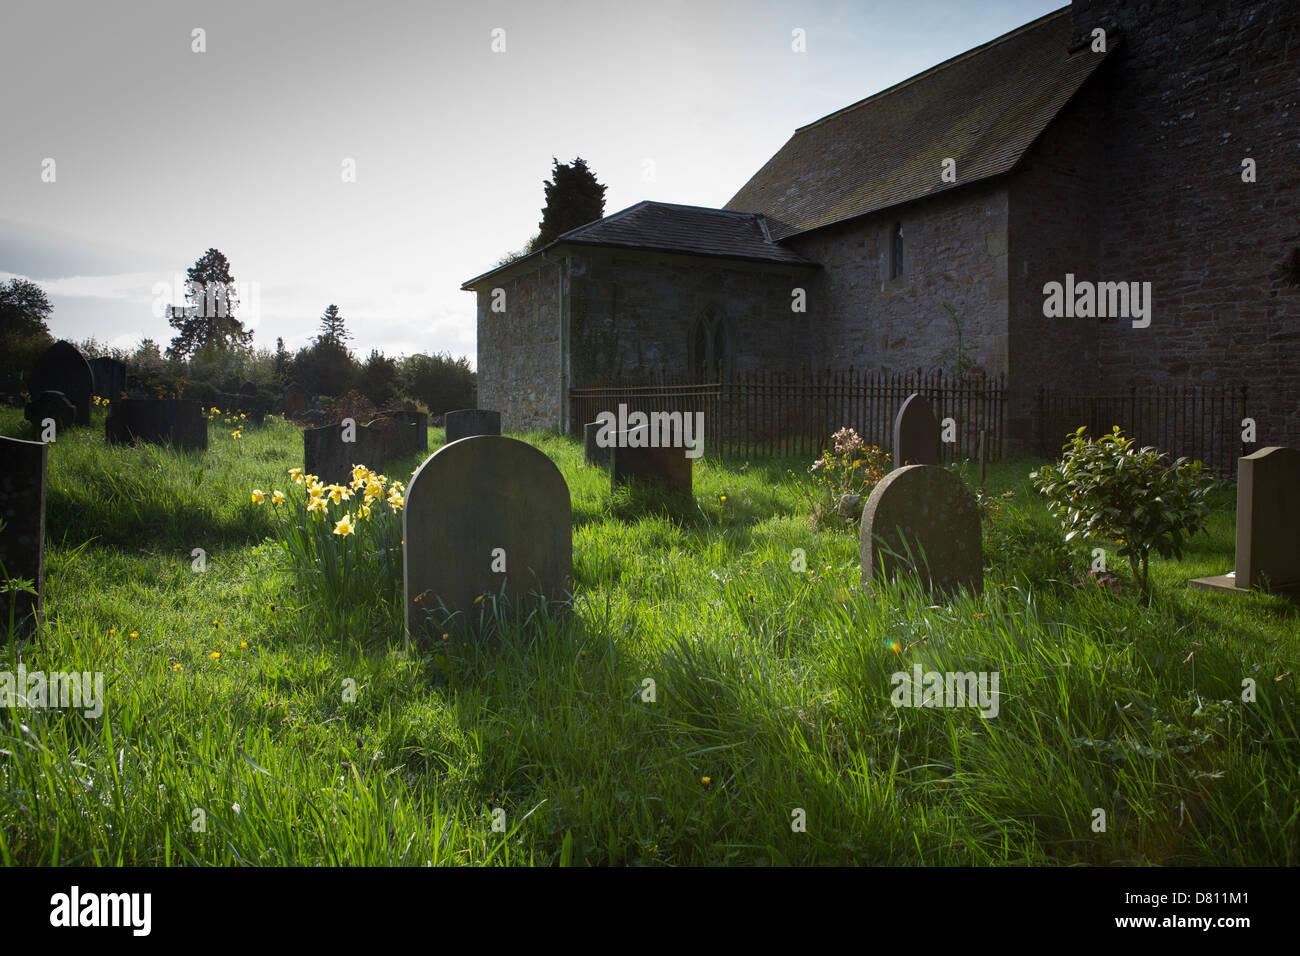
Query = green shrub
x=1105 y=488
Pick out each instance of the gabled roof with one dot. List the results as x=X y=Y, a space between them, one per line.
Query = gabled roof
x=668 y=227
x=984 y=109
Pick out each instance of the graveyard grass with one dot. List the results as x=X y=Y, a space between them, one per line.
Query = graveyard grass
x=226 y=699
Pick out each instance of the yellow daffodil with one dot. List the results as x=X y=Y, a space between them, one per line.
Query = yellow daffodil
x=258 y=497
x=316 y=504
x=364 y=511
x=344 y=526
x=235 y=433
x=374 y=489
x=277 y=497
x=339 y=493
x=295 y=475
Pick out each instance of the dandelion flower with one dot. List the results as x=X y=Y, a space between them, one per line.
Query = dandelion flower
x=344 y=526
x=258 y=497
x=135 y=633
x=176 y=667
x=215 y=655
x=243 y=643
x=112 y=631
x=277 y=497
x=706 y=780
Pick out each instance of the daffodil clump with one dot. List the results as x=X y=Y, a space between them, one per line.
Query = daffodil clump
x=344 y=542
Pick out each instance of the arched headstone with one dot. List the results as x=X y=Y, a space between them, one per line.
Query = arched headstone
x=484 y=514
x=923 y=512
x=61 y=368
x=471 y=421
x=916 y=433
x=160 y=421
x=109 y=378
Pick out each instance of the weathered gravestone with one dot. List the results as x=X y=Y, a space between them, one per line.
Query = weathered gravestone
x=471 y=421
x=160 y=421
x=916 y=433
x=592 y=451
x=328 y=456
x=1268 y=525
x=53 y=406
x=109 y=378
x=482 y=515
x=295 y=401
x=923 y=517
x=61 y=368
x=665 y=468
x=411 y=432
x=22 y=536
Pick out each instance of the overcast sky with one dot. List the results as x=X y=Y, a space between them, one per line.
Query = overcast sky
x=161 y=152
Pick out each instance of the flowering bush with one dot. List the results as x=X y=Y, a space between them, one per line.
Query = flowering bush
x=344 y=542
x=842 y=478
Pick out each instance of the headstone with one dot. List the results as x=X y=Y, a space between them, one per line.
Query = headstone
x=22 y=536
x=592 y=452
x=51 y=405
x=109 y=378
x=327 y=456
x=474 y=507
x=1268 y=525
x=471 y=421
x=295 y=401
x=248 y=389
x=923 y=511
x=667 y=469
x=916 y=433
x=61 y=368
x=160 y=421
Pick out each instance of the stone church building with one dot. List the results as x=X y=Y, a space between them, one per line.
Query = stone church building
x=1170 y=157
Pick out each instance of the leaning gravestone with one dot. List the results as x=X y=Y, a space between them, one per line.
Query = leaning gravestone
x=592 y=451
x=916 y=433
x=22 y=536
x=159 y=421
x=666 y=468
x=1268 y=525
x=471 y=421
x=61 y=368
x=484 y=514
x=922 y=516
x=53 y=406
x=328 y=456
x=109 y=378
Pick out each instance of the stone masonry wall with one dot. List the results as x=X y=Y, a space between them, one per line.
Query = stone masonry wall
x=632 y=314
x=1198 y=87
x=1054 y=231
x=955 y=251
x=519 y=349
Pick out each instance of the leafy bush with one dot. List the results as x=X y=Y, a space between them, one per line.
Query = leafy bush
x=1105 y=488
x=842 y=479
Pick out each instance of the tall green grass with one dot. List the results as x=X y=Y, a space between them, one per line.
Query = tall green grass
x=338 y=748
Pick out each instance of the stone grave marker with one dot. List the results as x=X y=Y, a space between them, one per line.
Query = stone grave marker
x=61 y=368
x=665 y=468
x=295 y=401
x=1268 y=525
x=160 y=421
x=53 y=405
x=109 y=378
x=477 y=506
x=327 y=456
x=916 y=433
x=592 y=452
x=22 y=536
x=925 y=509
x=471 y=421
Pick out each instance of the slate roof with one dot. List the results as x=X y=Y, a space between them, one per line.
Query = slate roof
x=668 y=227
x=984 y=109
